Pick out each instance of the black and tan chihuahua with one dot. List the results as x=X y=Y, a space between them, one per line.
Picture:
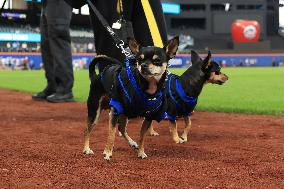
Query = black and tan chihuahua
x=183 y=91
x=136 y=89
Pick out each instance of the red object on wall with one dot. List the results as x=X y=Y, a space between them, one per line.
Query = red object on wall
x=245 y=31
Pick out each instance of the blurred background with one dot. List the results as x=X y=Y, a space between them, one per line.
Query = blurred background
x=239 y=33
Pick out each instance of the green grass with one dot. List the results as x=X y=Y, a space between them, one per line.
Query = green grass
x=249 y=90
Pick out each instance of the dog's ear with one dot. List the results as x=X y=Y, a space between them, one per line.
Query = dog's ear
x=172 y=46
x=195 y=58
x=133 y=45
x=208 y=58
x=207 y=61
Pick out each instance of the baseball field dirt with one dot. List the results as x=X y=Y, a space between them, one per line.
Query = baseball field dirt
x=41 y=147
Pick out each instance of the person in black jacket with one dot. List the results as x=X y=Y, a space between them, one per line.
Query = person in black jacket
x=56 y=51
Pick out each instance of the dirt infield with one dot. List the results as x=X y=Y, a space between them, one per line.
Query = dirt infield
x=41 y=147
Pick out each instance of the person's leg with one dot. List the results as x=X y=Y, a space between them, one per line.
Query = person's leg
x=47 y=57
x=58 y=20
x=47 y=60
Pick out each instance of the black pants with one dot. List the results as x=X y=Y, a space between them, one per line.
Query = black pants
x=133 y=11
x=56 y=45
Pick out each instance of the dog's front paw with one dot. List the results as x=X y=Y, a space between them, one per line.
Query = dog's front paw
x=107 y=155
x=153 y=133
x=184 y=137
x=142 y=155
x=133 y=144
x=119 y=134
x=88 y=151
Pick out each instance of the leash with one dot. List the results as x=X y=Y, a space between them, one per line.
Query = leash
x=119 y=43
x=2 y=7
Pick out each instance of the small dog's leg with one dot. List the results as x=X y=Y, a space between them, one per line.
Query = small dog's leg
x=187 y=128
x=145 y=126
x=174 y=132
x=113 y=119
x=87 y=150
x=122 y=124
x=152 y=132
x=93 y=118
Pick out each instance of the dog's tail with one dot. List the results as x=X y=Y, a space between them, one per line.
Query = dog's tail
x=104 y=61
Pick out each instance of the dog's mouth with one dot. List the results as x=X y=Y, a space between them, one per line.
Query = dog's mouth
x=148 y=73
x=220 y=82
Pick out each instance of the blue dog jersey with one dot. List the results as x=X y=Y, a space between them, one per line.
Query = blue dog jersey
x=178 y=103
x=128 y=98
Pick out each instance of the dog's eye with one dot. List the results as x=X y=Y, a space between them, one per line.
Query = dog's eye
x=217 y=73
x=157 y=60
x=139 y=59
